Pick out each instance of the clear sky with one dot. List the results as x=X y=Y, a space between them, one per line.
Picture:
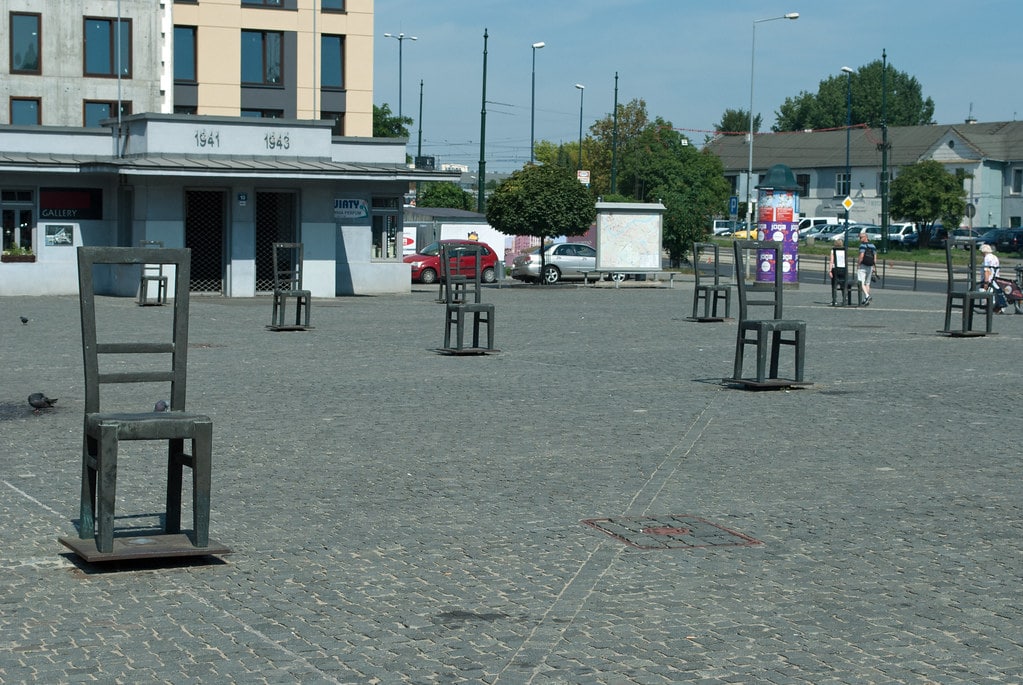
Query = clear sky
x=688 y=59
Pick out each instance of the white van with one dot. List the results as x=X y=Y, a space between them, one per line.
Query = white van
x=809 y=222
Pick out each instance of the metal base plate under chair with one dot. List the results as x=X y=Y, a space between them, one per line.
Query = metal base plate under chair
x=766 y=384
x=465 y=351
x=139 y=547
x=965 y=334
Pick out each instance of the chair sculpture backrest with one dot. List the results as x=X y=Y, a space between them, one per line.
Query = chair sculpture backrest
x=707 y=269
x=151 y=270
x=763 y=296
x=461 y=265
x=962 y=278
x=96 y=346
x=288 y=261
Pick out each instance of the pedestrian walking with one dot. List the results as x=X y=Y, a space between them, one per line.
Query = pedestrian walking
x=865 y=266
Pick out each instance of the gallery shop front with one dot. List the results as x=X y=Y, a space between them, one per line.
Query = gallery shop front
x=228 y=188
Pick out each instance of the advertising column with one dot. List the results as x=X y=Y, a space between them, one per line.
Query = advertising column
x=778 y=220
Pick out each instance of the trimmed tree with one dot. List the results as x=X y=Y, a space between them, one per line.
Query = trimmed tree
x=543 y=201
x=444 y=194
x=925 y=193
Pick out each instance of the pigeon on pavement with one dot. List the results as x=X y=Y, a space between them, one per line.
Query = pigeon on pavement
x=24 y=321
x=161 y=406
x=40 y=401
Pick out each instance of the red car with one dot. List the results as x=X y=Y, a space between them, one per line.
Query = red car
x=426 y=262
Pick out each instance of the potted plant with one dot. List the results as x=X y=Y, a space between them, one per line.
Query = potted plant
x=18 y=254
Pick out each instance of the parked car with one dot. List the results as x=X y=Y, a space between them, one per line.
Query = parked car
x=961 y=237
x=746 y=233
x=723 y=227
x=903 y=235
x=819 y=232
x=562 y=261
x=1010 y=241
x=426 y=262
x=810 y=222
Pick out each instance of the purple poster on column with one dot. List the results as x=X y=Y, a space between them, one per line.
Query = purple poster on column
x=777 y=220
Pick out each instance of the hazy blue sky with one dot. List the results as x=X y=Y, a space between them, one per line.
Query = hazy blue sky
x=688 y=59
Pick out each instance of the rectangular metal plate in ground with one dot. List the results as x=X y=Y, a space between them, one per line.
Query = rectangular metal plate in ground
x=670 y=532
x=142 y=547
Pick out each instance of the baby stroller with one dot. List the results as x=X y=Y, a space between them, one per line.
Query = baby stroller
x=1008 y=291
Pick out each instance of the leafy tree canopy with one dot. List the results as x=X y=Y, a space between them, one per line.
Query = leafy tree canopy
x=906 y=105
x=444 y=194
x=735 y=122
x=386 y=125
x=926 y=193
x=545 y=201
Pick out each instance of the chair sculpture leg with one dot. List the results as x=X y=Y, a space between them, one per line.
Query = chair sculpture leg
x=106 y=487
x=87 y=506
x=200 y=461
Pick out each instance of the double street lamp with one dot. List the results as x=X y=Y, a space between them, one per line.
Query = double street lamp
x=401 y=38
x=582 y=89
x=532 y=104
x=752 y=61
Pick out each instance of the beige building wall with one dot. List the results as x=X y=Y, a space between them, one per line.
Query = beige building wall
x=219 y=24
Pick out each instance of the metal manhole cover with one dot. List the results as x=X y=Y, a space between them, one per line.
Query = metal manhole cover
x=670 y=532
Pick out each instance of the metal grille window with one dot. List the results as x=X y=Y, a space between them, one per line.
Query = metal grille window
x=205 y=212
x=262 y=57
x=26 y=38
x=107 y=47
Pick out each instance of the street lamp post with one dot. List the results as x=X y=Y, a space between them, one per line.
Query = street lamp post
x=752 y=61
x=401 y=38
x=582 y=89
x=532 y=103
x=848 y=132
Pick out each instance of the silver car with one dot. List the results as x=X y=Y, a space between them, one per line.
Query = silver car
x=562 y=261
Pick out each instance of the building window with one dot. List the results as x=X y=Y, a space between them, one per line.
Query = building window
x=803 y=181
x=263 y=113
x=842 y=184
x=17 y=215
x=332 y=5
x=263 y=3
x=184 y=54
x=98 y=110
x=25 y=42
x=332 y=61
x=26 y=111
x=338 y=129
x=186 y=109
x=1017 y=182
x=385 y=227
x=104 y=39
x=262 y=57
x=1014 y=221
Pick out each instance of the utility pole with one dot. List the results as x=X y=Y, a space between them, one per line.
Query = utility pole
x=884 y=152
x=481 y=204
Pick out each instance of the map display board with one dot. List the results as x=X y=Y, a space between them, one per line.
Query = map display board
x=629 y=236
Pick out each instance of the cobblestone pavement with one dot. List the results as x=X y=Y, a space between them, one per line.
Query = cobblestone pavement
x=400 y=516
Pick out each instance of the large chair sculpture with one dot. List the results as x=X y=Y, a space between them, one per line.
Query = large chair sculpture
x=289 y=264
x=771 y=331
x=964 y=294
x=845 y=283
x=463 y=299
x=113 y=357
x=152 y=274
x=710 y=290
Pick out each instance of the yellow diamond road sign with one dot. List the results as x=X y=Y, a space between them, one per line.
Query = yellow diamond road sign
x=847 y=203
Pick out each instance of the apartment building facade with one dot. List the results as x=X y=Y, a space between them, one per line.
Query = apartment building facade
x=220 y=125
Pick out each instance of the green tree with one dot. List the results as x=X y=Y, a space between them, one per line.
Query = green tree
x=926 y=193
x=444 y=194
x=545 y=201
x=906 y=105
x=386 y=125
x=735 y=122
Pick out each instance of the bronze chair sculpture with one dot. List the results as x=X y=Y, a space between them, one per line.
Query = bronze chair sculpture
x=964 y=294
x=289 y=265
x=709 y=289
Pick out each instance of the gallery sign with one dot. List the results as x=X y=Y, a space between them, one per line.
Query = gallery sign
x=71 y=203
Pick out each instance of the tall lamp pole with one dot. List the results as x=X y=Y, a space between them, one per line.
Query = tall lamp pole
x=614 y=143
x=481 y=202
x=752 y=62
x=848 y=132
x=401 y=38
x=532 y=103
x=582 y=90
x=884 y=152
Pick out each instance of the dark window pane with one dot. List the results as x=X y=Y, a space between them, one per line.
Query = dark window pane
x=25 y=112
x=273 y=58
x=25 y=43
x=333 y=5
x=99 y=57
x=331 y=61
x=184 y=53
